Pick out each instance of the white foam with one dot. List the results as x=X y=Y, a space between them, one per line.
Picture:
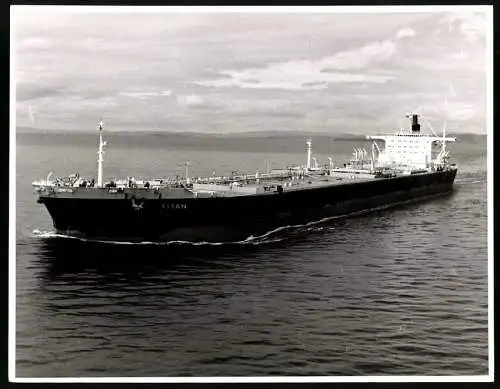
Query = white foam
x=249 y=240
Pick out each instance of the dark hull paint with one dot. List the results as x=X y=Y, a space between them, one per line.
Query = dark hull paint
x=235 y=218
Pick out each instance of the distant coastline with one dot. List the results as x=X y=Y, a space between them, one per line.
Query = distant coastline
x=233 y=135
x=263 y=142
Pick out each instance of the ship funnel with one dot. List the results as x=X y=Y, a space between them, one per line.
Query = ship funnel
x=415 y=125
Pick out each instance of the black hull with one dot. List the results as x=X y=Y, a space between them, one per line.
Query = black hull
x=234 y=218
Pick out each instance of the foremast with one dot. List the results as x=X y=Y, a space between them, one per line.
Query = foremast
x=100 y=154
x=309 y=154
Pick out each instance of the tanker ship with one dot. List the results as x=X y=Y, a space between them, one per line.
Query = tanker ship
x=238 y=206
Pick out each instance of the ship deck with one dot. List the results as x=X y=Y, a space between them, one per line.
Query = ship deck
x=200 y=190
x=273 y=185
x=216 y=188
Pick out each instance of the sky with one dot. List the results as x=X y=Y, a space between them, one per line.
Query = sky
x=211 y=72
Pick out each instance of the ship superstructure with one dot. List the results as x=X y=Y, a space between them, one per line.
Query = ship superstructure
x=411 y=148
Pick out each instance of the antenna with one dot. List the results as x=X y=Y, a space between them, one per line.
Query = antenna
x=373 y=155
x=443 y=142
x=187 y=172
x=446 y=114
x=268 y=166
x=309 y=146
x=100 y=153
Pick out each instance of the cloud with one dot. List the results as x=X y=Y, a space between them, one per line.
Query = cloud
x=31 y=91
x=453 y=62
x=35 y=43
x=139 y=94
x=472 y=25
x=359 y=58
x=453 y=111
x=190 y=99
x=314 y=66
x=306 y=74
x=474 y=28
x=146 y=95
x=461 y=111
x=461 y=55
x=405 y=32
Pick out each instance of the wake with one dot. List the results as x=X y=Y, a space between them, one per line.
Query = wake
x=251 y=240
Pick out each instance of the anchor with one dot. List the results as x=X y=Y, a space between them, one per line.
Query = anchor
x=137 y=205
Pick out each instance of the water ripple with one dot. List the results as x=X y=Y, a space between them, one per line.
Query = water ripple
x=400 y=291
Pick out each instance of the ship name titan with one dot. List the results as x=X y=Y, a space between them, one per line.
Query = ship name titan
x=174 y=206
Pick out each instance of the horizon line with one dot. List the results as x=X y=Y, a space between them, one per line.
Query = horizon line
x=32 y=130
